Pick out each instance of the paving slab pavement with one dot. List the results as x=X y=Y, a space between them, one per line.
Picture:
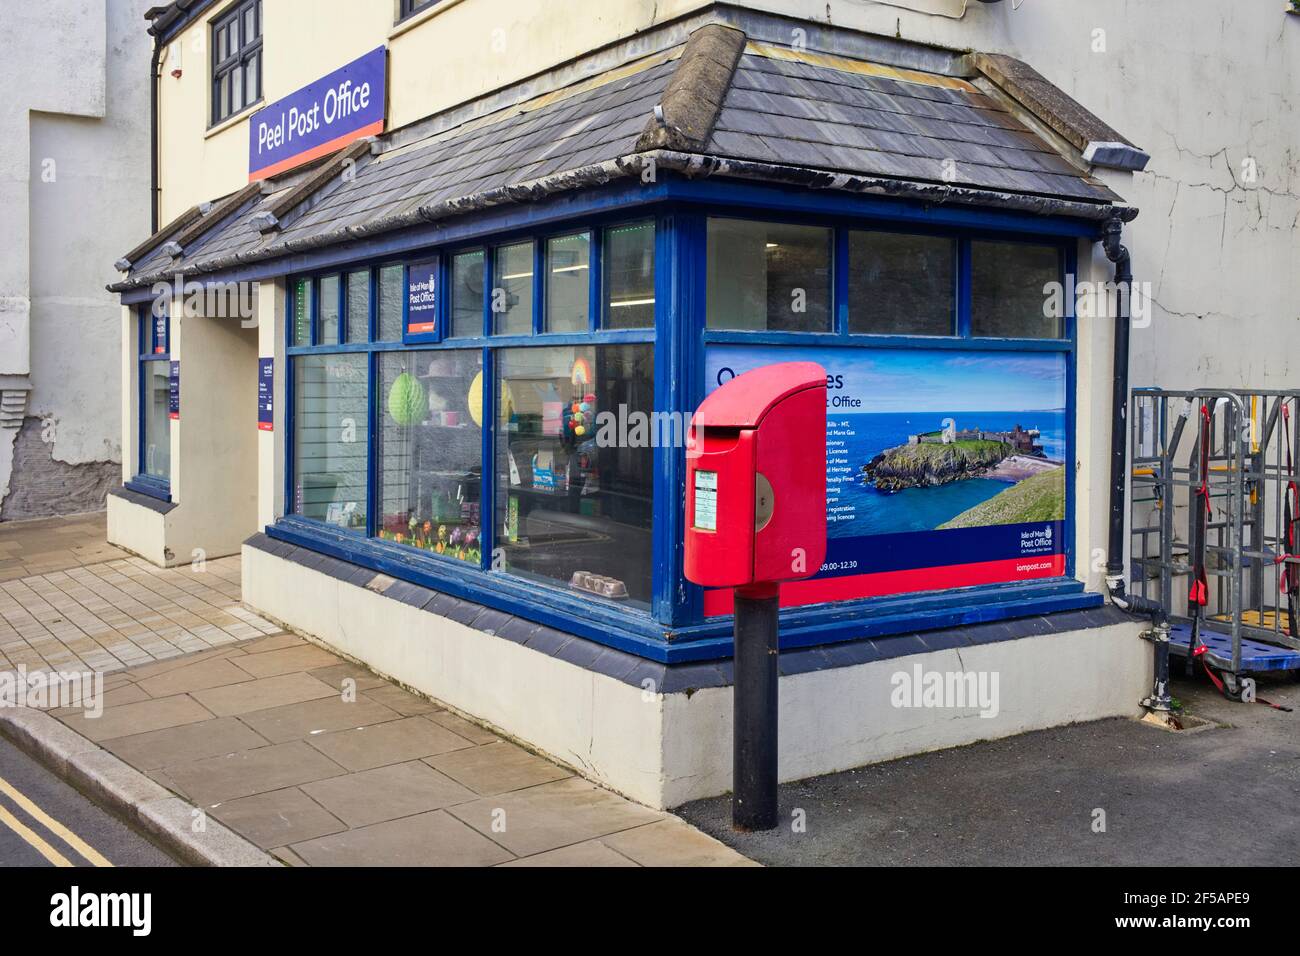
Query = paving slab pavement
x=322 y=763
x=120 y=613
x=297 y=750
x=42 y=545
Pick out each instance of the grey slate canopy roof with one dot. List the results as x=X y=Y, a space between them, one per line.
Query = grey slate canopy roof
x=716 y=105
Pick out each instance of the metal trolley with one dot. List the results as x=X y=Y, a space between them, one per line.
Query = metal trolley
x=1215 y=517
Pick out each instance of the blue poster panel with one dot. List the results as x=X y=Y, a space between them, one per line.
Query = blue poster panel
x=160 y=334
x=174 y=391
x=944 y=468
x=422 y=302
x=265 y=392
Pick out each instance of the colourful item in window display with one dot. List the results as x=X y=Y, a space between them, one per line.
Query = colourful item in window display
x=580 y=373
x=407 y=403
x=460 y=543
x=580 y=416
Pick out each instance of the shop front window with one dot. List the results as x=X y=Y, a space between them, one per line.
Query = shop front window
x=330 y=314
x=574 y=467
x=358 y=302
x=331 y=407
x=768 y=276
x=629 y=256
x=568 y=283
x=157 y=440
x=902 y=285
x=155 y=389
x=512 y=296
x=300 y=320
x=467 y=295
x=392 y=299
x=1010 y=290
x=429 y=450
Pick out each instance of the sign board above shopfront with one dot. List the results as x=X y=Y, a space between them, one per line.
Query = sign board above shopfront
x=318 y=119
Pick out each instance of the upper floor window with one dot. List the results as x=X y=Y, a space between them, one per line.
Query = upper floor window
x=236 y=59
x=409 y=7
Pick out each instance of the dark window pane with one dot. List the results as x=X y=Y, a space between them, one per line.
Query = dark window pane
x=156 y=442
x=630 y=276
x=568 y=283
x=512 y=295
x=329 y=438
x=768 y=276
x=359 y=306
x=430 y=451
x=1010 y=294
x=467 y=295
x=392 y=297
x=329 y=311
x=574 y=495
x=901 y=285
x=301 y=319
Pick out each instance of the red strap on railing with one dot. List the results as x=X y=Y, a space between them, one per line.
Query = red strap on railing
x=1214 y=679
x=1200 y=589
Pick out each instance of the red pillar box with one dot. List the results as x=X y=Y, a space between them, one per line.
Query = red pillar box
x=756 y=516
x=756 y=479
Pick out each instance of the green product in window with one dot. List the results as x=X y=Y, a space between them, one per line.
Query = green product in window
x=512 y=520
x=406 y=400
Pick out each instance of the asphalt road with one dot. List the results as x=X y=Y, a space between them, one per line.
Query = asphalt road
x=1222 y=795
x=45 y=822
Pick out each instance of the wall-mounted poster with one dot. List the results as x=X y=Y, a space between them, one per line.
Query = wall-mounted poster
x=945 y=468
x=174 y=391
x=265 y=394
x=422 y=301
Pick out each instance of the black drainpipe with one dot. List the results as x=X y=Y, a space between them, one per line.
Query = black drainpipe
x=153 y=135
x=1117 y=253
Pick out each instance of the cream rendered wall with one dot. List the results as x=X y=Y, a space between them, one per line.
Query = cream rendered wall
x=449 y=54
x=1208 y=88
x=215 y=442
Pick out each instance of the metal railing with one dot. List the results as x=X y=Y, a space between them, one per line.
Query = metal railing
x=1214 y=499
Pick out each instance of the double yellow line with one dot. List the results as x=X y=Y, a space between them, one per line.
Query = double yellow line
x=34 y=839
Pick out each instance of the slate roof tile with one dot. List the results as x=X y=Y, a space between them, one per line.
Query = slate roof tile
x=781 y=107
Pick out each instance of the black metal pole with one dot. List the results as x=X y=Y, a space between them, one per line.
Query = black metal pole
x=754 y=735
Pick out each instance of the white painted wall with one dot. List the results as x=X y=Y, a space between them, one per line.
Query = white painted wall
x=667 y=749
x=74 y=194
x=1206 y=88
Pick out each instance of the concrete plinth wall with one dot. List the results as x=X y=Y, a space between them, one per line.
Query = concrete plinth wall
x=665 y=749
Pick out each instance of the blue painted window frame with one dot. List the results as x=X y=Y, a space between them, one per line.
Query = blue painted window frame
x=153 y=338
x=674 y=629
x=403 y=561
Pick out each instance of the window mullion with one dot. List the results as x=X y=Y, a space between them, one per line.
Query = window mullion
x=963 y=288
